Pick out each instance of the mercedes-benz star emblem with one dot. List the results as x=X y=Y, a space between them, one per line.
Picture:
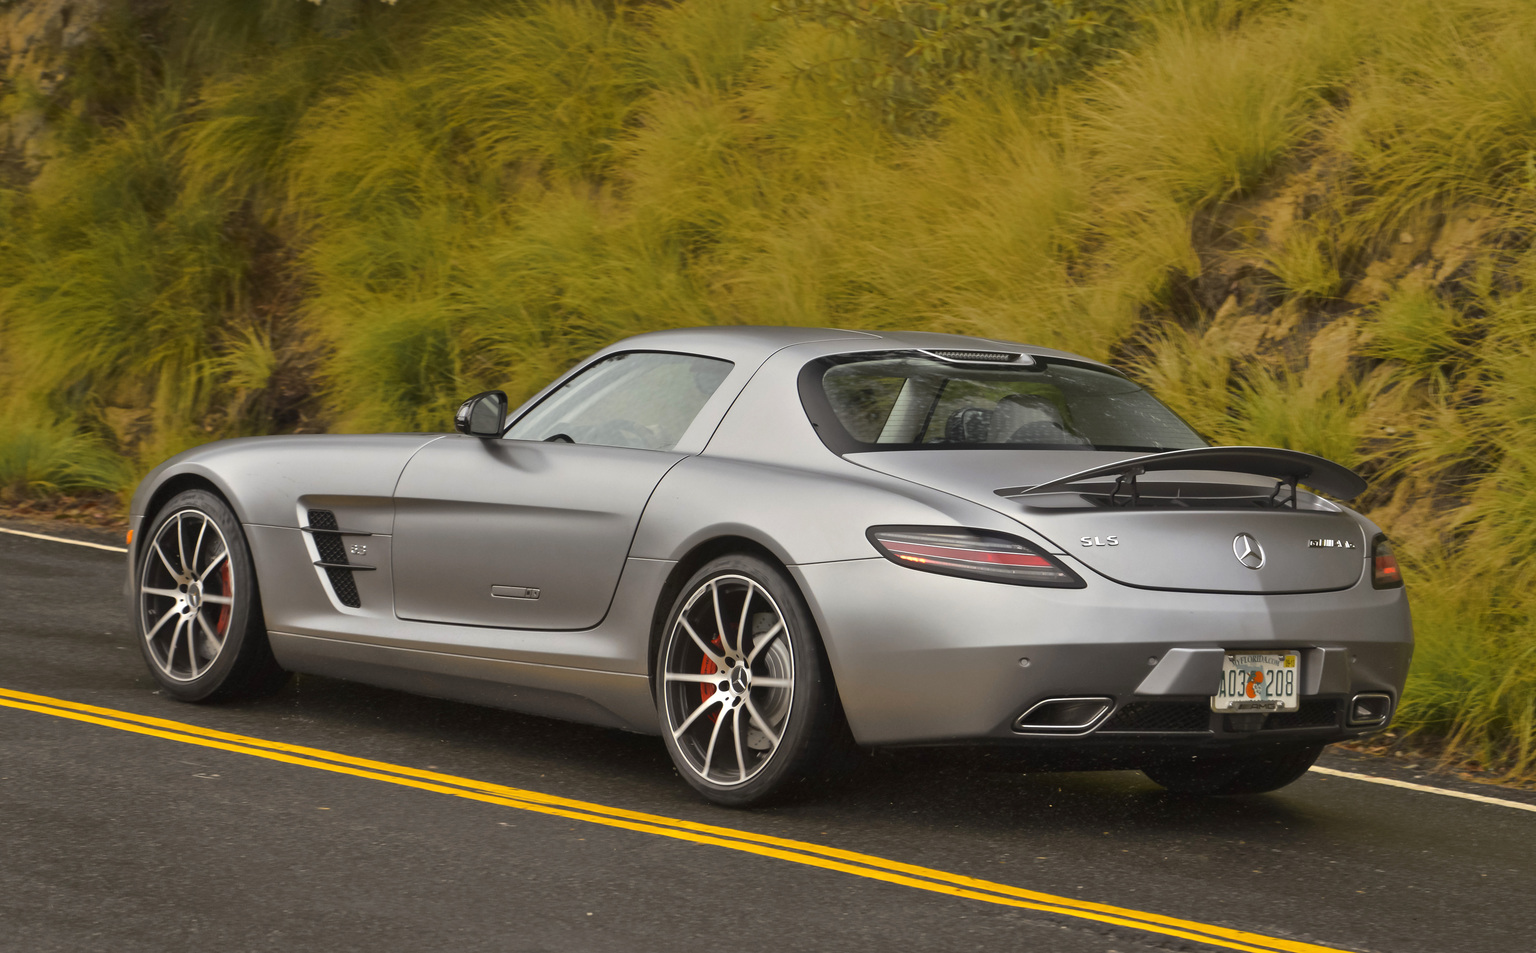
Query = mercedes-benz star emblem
x=1248 y=551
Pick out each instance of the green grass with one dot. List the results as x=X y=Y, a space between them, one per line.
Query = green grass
x=37 y=459
x=1200 y=115
x=1474 y=670
x=1302 y=223
x=1306 y=266
x=1447 y=111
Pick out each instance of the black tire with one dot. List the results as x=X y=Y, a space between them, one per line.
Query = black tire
x=196 y=607
x=1251 y=772
x=804 y=718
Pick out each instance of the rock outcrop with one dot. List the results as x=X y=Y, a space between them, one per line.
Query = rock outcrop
x=36 y=37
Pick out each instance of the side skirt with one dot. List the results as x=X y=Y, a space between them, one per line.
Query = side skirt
x=608 y=699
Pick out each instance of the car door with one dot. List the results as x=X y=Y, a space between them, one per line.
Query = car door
x=532 y=531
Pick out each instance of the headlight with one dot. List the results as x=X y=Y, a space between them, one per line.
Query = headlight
x=1384 y=571
x=972 y=554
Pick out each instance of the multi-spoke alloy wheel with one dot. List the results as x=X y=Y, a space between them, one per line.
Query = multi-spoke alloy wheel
x=729 y=679
x=186 y=595
x=198 y=624
x=741 y=688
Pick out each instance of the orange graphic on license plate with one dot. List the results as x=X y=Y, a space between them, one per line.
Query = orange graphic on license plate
x=1257 y=678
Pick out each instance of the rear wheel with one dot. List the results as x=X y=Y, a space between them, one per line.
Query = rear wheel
x=745 y=696
x=197 y=611
x=1251 y=772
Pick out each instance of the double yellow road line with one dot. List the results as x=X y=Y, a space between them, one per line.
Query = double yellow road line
x=779 y=848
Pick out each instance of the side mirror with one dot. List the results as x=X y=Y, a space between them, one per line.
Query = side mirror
x=482 y=415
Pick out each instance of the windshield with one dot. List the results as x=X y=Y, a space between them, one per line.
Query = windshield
x=909 y=401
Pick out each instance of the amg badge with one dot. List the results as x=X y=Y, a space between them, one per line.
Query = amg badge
x=1330 y=544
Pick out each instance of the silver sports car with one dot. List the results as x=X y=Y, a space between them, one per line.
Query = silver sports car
x=768 y=545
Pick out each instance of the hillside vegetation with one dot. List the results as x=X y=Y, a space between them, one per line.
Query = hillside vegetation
x=1304 y=224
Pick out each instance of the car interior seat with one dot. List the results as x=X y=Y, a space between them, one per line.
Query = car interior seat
x=968 y=425
x=1027 y=418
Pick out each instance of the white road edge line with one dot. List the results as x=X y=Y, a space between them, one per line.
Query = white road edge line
x=60 y=539
x=1392 y=782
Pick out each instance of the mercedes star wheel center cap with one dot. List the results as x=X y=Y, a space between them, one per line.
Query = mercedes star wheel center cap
x=1248 y=551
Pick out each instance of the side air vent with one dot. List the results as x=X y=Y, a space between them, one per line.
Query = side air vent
x=333 y=557
x=978 y=357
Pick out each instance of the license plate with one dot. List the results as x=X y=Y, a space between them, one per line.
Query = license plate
x=1258 y=682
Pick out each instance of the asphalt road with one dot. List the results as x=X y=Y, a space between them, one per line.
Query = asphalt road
x=116 y=840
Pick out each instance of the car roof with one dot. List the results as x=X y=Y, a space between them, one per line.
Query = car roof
x=743 y=342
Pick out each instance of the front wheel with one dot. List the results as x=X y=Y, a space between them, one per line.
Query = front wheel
x=744 y=694
x=1251 y=772
x=197 y=612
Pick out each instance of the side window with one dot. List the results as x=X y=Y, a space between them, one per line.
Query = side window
x=641 y=399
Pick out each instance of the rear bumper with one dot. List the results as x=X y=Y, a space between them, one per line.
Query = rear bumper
x=921 y=658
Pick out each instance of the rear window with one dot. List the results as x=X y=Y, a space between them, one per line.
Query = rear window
x=908 y=400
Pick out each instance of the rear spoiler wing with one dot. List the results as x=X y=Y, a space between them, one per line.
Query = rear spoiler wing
x=1287 y=466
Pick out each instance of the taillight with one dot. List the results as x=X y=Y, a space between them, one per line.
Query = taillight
x=973 y=554
x=1384 y=571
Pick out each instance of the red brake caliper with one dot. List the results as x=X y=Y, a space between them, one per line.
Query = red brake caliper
x=706 y=690
x=224 y=579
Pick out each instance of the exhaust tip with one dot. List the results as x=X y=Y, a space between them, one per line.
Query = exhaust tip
x=1064 y=714
x=1370 y=708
